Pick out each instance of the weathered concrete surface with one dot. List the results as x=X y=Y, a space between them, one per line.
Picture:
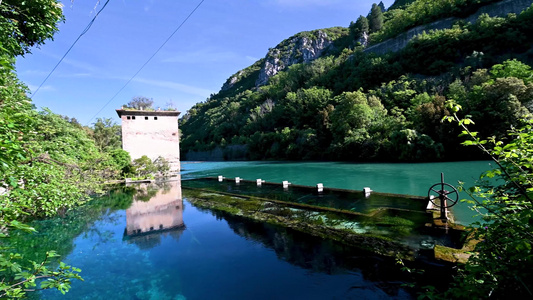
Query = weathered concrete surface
x=151 y=133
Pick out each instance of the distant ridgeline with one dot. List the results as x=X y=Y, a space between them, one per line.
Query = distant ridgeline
x=377 y=89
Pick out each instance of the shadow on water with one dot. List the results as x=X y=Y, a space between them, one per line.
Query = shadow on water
x=376 y=274
x=321 y=255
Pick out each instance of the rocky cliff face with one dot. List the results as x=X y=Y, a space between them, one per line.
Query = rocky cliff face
x=232 y=80
x=307 y=46
x=301 y=48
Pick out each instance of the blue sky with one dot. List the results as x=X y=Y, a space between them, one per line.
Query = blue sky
x=219 y=39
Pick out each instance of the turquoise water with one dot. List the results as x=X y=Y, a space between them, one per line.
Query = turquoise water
x=151 y=243
x=346 y=200
x=401 y=219
x=401 y=178
x=162 y=247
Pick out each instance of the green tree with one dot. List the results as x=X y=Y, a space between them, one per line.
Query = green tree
x=143 y=167
x=353 y=120
x=123 y=161
x=497 y=105
x=107 y=134
x=140 y=102
x=381 y=6
x=375 y=18
x=24 y=24
x=410 y=145
x=14 y=121
x=359 y=27
x=400 y=4
x=48 y=166
x=427 y=119
x=513 y=68
x=162 y=166
x=302 y=108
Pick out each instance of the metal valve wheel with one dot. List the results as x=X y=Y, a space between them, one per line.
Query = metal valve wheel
x=447 y=194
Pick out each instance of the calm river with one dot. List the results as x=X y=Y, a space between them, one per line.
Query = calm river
x=410 y=179
x=151 y=243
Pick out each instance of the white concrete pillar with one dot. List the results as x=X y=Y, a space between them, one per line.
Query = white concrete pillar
x=286 y=184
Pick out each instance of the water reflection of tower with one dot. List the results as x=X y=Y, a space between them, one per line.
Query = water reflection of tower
x=161 y=215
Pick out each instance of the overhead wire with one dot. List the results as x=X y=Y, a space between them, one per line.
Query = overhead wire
x=70 y=48
x=149 y=59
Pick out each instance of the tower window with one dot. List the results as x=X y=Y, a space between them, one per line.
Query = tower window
x=133 y=117
x=128 y=117
x=146 y=118
x=155 y=118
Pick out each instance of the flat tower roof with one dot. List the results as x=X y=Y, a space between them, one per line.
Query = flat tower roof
x=135 y=112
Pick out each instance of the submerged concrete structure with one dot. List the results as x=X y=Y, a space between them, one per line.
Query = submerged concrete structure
x=151 y=133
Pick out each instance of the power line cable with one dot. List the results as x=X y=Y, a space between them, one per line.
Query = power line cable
x=71 y=46
x=149 y=59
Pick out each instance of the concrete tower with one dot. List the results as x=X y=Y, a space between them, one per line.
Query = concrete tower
x=151 y=133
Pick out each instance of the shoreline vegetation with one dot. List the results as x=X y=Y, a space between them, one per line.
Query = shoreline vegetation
x=350 y=105
x=344 y=105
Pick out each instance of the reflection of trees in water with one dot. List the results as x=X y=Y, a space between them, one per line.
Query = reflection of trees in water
x=146 y=191
x=103 y=236
x=58 y=233
x=121 y=197
x=118 y=268
x=324 y=255
x=310 y=252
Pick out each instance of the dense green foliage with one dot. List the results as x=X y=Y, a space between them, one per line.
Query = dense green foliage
x=501 y=265
x=353 y=105
x=400 y=4
x=359 y=27
x=143 y=167
x=107 y=134
x=48 y=163
x=375 y=18
x=403 y=17
x=24 y=24
x=48 y=166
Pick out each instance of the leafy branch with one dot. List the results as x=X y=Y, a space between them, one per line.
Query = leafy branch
x=24 y=280
x=502 y=260
x=475 y=140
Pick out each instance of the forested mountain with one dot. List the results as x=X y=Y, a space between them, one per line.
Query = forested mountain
x=320 y=95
